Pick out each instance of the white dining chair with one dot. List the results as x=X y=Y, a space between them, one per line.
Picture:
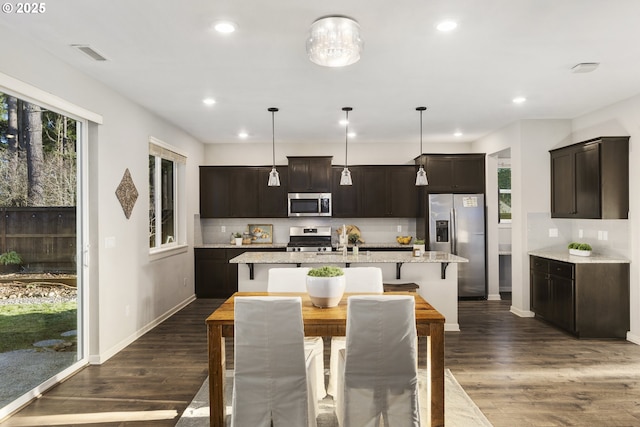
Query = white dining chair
x=357 y=280
x=273 y=383
x=378 y=373
x=287 y=279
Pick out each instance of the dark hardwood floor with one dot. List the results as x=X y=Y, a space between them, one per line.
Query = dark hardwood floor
x=520 y=372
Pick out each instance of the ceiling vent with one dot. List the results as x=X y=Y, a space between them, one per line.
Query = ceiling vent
x=585 y=67
x=88 y=50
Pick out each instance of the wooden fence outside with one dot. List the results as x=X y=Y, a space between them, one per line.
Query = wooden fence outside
x=44 y=237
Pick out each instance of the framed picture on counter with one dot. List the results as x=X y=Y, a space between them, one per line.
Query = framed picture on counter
x=261 y=233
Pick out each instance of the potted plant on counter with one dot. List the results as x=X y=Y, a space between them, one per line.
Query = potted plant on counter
x=580 y=249
x=10 y=262
x=325 y=286
x=238 y=238
x=418 y=245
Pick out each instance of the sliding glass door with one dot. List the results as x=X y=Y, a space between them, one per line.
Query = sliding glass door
x=40 y=248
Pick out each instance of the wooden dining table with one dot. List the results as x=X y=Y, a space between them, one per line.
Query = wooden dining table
x=325 y=322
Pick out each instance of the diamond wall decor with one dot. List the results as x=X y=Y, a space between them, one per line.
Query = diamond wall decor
x=127 y=193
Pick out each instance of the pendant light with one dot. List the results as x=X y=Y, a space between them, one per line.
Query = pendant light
x=274 y=177
x=345 y=178
x=421 y=177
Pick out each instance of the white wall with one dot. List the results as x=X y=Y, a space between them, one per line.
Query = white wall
x=530 y=142
x=123 y=276
x=257 y=154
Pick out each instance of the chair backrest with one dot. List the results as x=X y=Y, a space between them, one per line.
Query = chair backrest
x=380 y=370
x=269 y=361
x=287 y=279
x=363 y=279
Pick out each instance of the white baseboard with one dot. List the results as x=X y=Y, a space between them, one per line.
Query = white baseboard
x=493 y=297
x=99 y=359
x=521 y=313
x=633 y=338
x=452 y=327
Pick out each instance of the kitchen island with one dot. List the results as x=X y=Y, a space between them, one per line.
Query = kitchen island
x=435 y=272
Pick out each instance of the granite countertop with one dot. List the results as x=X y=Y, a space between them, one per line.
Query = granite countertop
x=563 y=255
x=335 y=257
x=362 y=246
x=230 y=246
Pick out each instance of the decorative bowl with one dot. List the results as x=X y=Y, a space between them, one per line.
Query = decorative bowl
x=403 y=240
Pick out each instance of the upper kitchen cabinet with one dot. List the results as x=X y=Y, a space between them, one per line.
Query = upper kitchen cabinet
x=590 y=179
x=388 y=191
x=309 y=174
x=272 y=201
x=454 y=173
x=237 y=191
x=345 y=199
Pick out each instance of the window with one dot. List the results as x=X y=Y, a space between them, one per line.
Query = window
x=165 y=185
x=504 y=194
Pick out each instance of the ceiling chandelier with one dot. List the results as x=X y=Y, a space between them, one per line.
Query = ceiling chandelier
x=334 y=41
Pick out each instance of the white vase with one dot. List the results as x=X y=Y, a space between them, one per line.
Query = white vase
x=579 y=252
x=238 y=241
x=325 y=291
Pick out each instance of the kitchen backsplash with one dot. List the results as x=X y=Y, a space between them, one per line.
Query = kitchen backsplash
x=606 y=237
x=374 y=230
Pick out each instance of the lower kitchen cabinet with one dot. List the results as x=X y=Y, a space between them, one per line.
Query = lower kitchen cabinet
x=214 y=276
x=589 y=300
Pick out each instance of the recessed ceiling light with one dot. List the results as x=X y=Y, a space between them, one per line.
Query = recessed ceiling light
x=343 y=122
x=447 y=25
x=209 y=101
x=458 y=133
x=519 y=99
x=224 y=27
x=243 y=135
x=352 y=134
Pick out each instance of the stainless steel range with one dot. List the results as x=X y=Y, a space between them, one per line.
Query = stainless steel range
x=309 y=239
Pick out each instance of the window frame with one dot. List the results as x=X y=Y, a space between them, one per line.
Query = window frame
x=160 y=151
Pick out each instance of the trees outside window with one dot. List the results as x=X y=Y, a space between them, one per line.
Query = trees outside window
x=37 y=155
x=504 y=194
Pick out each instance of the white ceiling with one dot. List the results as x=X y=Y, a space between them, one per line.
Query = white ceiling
x=164 y=55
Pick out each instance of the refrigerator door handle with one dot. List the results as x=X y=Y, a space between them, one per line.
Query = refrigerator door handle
x=454 y=231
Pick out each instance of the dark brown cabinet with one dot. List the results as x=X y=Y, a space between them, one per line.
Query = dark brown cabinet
x=454 y=173
x=591 y=179
x=388 y=191
x=214 y=276
x=585 y=299
x=309 y=174
x=239 y=191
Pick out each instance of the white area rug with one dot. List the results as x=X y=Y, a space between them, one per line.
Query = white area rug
x=460 y=411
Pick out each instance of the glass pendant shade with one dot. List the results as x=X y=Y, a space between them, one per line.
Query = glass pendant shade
x=421 y=177
x=345 y=177
x=334 y=41
x=274 y=176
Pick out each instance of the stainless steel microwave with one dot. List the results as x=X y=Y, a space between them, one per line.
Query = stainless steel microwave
x=309 y=204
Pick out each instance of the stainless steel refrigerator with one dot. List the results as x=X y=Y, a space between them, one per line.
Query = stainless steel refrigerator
x=456 y=225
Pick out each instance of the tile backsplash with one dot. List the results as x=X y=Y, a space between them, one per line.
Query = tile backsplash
x=374 y=230
x=606 y=237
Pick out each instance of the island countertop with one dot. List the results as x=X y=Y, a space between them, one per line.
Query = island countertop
x=335 y=257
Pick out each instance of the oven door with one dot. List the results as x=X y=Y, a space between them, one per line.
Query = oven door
x=309 y=204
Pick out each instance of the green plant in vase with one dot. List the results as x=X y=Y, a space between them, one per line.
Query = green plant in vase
x=325 y=286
